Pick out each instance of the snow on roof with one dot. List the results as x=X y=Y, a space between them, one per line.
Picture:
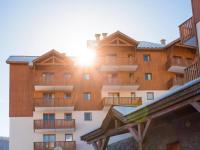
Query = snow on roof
x=125 y=110
x=26 y=59
x=144 y=44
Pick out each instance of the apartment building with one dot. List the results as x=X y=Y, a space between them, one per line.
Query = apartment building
x=171 y=121
x=53 y=101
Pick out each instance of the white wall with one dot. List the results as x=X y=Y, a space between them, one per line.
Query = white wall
x=82 y=127
x=198 y=34
x=21 y=133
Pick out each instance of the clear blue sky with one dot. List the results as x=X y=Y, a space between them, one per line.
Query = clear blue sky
x=32 y=27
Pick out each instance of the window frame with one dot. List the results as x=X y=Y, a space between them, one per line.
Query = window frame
x=147 y=57
x=67 y=97
x=66 y=115
x=90 y=117
x=89 y=96
x=146 y=77
x=150 y=99
x=71 y=137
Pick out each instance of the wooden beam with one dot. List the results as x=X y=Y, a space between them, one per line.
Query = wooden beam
x=146 y=128
x=196 y=105
x=134 y=133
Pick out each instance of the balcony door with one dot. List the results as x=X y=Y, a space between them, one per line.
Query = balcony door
x=48 y=99
x=114 y=98
x=49 y=121
x=47 y=77
x=49 y=140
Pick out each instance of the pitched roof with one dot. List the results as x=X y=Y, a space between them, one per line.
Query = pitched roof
x=21 y=59
x=150 y=45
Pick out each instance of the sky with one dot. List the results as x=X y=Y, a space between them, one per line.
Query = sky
x=33 y=27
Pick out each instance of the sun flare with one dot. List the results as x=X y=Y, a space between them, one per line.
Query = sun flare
x=86 y=58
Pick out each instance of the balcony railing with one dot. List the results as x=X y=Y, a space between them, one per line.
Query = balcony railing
x=53 y=81
x=182 y=62
x=117 y=60
x=120 y=81
x=175 y=82
x=54 y=124
x=54 y=102
x=108 y=101
x=64 y=145
x=187 y=30
x=193 y=71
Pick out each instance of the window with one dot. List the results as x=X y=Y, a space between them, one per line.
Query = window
x=49 y=138
x=87 y=116
x=48 y=96
x=86 y=76
x=47 y=77
x=148 y=76
x=67 y=95
x=130 y=58
x=67 y=76
x=87 y=96
x=48 y=116
x=68 y=137
x=150 y=96
x=68 y=116
x=147 y=57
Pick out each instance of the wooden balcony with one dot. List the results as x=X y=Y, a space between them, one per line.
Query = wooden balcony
x=64 y=145
x=187 y=32
x=128 y=101
x=54 y=102
x=54 y=124
x=177 y=65
x=118 y=64
x=120 y=85
x=53 y=84
x=193 y=71
x=177 y=81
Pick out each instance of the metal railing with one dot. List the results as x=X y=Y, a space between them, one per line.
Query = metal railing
x=187 y=30
x=193 y=71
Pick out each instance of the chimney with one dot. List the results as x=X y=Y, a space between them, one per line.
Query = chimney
x=97 y=36
x=104 y=35
x=163 y=41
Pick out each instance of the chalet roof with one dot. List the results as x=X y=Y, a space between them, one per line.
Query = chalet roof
x=178 y=96
x=150 y=45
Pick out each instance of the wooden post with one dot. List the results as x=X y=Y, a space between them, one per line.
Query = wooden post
x=196 y=105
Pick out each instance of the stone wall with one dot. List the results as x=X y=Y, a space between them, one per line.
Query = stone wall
x=127 y=144
x=185 y=130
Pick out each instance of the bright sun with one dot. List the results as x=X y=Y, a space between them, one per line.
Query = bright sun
x=86 y=58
